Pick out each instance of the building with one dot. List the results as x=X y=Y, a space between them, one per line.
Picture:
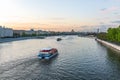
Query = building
x=32 y=32
x=5 y=32
x=40 y=32
x=18 y=33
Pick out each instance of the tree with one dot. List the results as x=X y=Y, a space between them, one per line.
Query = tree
x=113 y=34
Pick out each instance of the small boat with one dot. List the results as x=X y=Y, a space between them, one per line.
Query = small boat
x=59 y=39
x=47 y=53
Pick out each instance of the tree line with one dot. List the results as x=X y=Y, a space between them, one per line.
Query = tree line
x=113 y=35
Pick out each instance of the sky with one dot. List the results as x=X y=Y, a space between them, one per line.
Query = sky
x=60 y=15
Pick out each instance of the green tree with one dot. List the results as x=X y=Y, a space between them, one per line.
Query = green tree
x=113 y=34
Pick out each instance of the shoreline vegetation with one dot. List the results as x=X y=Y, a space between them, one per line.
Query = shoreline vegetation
x=110 y=39
x=112 y=36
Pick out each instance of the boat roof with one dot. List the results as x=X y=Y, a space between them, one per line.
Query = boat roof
x=46 y=49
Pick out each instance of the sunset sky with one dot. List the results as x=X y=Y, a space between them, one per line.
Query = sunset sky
x=60 y=15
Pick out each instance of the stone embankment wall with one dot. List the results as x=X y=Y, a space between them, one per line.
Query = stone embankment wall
x=110 y=45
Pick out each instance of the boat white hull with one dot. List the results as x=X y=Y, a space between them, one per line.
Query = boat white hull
x=47 y=57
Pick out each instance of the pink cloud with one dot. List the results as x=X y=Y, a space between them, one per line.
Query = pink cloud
x=109 y=10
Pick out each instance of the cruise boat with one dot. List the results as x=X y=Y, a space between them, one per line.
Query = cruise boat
x=47 y=53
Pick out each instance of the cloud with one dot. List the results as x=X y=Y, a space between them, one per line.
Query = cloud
x=118 y=16
x=101 y=27
x=102 y=23
x=103 y=9
x=58 y=18
x=117 y=21
x=109 y=10
x=116 y=13
x=104 y=27
x=86 y=28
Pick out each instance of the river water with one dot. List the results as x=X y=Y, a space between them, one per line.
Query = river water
x=79 y=59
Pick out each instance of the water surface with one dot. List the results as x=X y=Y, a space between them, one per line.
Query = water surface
x=79 y=59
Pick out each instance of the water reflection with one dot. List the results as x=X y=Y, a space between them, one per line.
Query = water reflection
x=113 y=55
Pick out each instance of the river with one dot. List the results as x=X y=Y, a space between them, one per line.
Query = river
x=79 y=59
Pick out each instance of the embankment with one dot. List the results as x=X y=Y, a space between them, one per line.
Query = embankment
x=110 y=45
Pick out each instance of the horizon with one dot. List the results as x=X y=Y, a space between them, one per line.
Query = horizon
x=55 y=15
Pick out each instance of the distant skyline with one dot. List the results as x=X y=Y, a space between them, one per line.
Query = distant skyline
x=60 y=15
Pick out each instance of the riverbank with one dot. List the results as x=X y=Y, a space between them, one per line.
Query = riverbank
x=2 y=40
x=110 y=45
